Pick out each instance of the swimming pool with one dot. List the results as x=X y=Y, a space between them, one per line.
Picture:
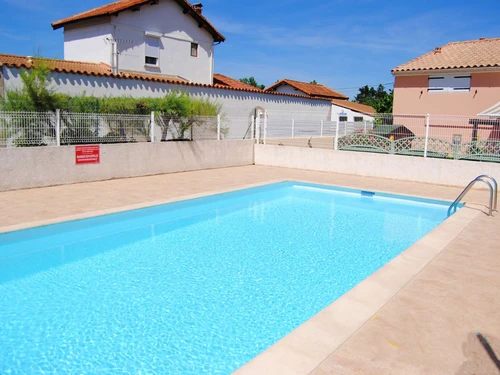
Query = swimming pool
x=197 y=286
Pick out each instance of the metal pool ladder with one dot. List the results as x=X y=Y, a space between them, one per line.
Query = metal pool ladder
x=493 y=193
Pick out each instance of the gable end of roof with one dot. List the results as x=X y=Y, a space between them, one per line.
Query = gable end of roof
x=113 y=9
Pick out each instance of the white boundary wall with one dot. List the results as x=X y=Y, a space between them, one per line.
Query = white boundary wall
x=407 y=168
x=30 y=167
x=235 y=104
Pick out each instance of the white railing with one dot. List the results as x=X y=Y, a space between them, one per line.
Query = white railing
x=24 y=129
x=450 y=137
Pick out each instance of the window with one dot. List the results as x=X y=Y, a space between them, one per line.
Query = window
x=449 y=83
x=194 y=49
x=152 y=50
x=358 y=119
x=343 y=118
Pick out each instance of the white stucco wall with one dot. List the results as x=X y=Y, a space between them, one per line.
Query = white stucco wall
x=166 y=18
x=91 y=44
x=30 y=167
x=407 y=168
x=350 y=114
x=237 y=106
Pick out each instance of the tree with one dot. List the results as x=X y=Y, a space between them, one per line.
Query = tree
x=378 y=98
x=313 y=82
x=37 y=96
x=252 y=82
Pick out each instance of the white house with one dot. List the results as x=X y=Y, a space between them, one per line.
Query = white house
x=341 y=106
x=165 y=37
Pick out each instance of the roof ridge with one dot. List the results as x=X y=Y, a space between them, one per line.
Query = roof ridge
x=480 y=40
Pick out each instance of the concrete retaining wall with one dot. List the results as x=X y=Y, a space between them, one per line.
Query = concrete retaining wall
x=32 y=167
x=408 y=168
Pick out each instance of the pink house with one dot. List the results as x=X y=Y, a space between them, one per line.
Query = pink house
x=458 y=79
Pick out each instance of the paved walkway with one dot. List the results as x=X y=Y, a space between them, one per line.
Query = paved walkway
x=429 y=327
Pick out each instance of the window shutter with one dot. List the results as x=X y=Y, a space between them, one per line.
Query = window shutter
x=152 y=47
x=449 y=83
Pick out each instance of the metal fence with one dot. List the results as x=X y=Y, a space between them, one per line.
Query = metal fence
x=447 y=137
x=28 y=129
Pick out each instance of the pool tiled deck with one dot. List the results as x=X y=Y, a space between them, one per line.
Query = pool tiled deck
x=418 y=315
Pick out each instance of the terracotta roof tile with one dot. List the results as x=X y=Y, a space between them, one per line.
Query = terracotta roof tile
x=122 y=5
x=102 y=69
x=357 y=107
x=223 y=80
x=313 y=90
x=66 y=66
x=478 y=53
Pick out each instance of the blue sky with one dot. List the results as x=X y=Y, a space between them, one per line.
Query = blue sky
x=341 y=43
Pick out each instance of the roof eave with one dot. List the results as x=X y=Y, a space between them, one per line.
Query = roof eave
x=477 y=69
x=60 y=24
x=330 y=97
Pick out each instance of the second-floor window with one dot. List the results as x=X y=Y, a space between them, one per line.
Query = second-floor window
x=343 y=118
x=449 y=83
x=358 y=119
x=152 y=51
x=194 y=49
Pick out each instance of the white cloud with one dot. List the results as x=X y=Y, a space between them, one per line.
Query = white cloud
x=12 y=36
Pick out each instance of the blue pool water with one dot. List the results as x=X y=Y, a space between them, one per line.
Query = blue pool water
x=199 y=286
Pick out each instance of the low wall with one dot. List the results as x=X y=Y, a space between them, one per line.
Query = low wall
x=311 y=142
x=31 y=167
x=408 y=168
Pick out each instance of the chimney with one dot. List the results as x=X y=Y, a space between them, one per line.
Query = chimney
x=482 y=38
x=198 y=7
x=437 y=50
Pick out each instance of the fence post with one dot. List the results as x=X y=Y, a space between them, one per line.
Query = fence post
x=257 y=127
x=152 y=128
x=58 y=127
x=427 y=125
x=265 y=126
x=364 y=126
x=336 y=141
x=252 y=130
x=321 y=128
x=293 y=128
x=218 y=128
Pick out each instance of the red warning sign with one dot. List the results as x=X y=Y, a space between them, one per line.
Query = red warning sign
x=90 y=154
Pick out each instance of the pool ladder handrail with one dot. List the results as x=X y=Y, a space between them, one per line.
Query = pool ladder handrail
x=493 y=193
